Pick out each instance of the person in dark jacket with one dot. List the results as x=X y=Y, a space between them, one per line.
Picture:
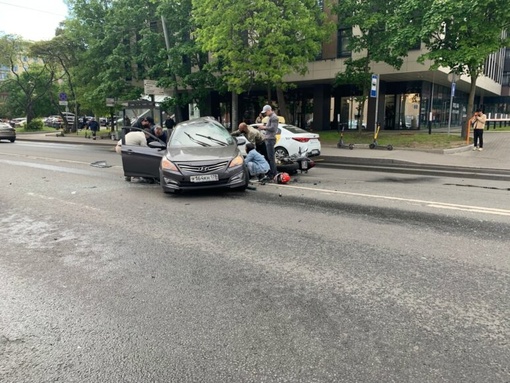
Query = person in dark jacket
x=94 y=127
x=271 y=129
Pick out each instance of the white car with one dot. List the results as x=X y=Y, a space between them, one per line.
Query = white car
x=18 y=122
x=292 y=140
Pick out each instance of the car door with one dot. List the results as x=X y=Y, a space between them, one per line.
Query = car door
x=142 y=161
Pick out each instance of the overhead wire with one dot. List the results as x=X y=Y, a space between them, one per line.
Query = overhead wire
x=33 y=9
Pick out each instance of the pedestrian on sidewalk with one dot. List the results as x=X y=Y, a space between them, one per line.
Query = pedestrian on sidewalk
x=478 y=123
x=93 y=126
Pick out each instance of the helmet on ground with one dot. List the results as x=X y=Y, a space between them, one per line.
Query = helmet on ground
x=282 y=178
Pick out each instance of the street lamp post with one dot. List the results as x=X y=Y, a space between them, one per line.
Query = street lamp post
x=452 y=77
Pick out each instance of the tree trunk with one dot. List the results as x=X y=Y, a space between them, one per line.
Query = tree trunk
x=470 y=106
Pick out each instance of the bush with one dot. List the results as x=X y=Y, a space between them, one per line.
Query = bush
x=34 y=125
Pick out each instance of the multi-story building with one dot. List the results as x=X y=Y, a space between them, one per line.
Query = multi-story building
x=412 y=97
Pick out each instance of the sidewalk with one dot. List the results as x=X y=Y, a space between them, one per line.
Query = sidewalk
x=496 y=153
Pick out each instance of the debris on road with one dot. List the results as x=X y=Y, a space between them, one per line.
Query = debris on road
x=100 y=164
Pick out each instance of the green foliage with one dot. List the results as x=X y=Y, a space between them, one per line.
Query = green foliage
x=383 y=28
x=29 y=83
x=259 y=41
x=461 y=35
x=34 y=125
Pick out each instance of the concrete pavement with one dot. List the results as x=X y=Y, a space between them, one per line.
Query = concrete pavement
x=496 y=153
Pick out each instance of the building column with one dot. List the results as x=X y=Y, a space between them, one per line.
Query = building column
x=321 y=107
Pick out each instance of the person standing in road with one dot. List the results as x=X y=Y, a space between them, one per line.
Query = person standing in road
x=169 y=123
x=93 y=126
x=271 y=129
x=478 y=123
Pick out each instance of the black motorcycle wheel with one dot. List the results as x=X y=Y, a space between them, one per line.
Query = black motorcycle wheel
x=288 y=168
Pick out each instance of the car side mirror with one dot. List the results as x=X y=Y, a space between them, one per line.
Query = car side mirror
x=241 y=141
x=157 y=145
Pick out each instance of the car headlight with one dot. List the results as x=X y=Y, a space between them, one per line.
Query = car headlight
x=236 y=161
x=166 y=164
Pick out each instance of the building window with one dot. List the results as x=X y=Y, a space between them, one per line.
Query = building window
x=343 y=40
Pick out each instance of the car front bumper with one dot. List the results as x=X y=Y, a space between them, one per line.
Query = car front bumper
x=173 y=181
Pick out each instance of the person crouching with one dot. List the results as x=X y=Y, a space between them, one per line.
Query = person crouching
x=257 y=164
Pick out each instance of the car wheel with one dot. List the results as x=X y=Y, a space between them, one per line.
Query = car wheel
x=281 y=152
x=12 y=139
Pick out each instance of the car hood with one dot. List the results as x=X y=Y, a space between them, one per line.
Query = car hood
x=186 y=154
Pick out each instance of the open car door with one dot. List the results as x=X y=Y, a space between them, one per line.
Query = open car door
x=142 y=161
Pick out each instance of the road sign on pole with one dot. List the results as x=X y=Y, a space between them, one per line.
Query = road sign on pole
x=451 y=77
x=373 y=87
x=62 y=99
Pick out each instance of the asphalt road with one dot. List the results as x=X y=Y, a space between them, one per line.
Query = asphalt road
x=341 y=276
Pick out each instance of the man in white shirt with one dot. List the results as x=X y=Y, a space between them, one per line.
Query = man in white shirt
x=136 y=138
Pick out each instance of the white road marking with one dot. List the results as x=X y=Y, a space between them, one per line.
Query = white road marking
x=80 y=205
x=55 y=168
x=434 y=204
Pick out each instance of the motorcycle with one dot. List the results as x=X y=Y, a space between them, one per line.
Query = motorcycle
x=295 y=163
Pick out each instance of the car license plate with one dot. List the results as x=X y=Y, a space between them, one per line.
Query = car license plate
x=204 y=178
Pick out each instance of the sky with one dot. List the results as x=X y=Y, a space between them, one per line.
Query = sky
x=31 y=19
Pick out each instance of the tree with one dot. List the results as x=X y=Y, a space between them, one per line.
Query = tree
x=260 y=41
x=460 y=35
x=384 y=31
x=60 y=55
x=120 y=45
x=184 y=63
x=29 y=80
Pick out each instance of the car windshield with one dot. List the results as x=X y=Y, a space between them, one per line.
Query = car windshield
x=205 y=134
x=294 y=129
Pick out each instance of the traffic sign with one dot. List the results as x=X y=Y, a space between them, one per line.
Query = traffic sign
x=62 y=97
x=150 y=87
x=110 y=102
x=453 y=89
x=373 y=86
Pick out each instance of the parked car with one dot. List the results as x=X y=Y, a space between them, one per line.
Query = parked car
x=54 y=121
x=17 y=122
x=200 y=154
x=7 y=132
x=291 y=140
x=69 y=117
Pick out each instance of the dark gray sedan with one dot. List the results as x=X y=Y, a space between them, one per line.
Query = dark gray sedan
x=200 y=154
x=7 y=132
